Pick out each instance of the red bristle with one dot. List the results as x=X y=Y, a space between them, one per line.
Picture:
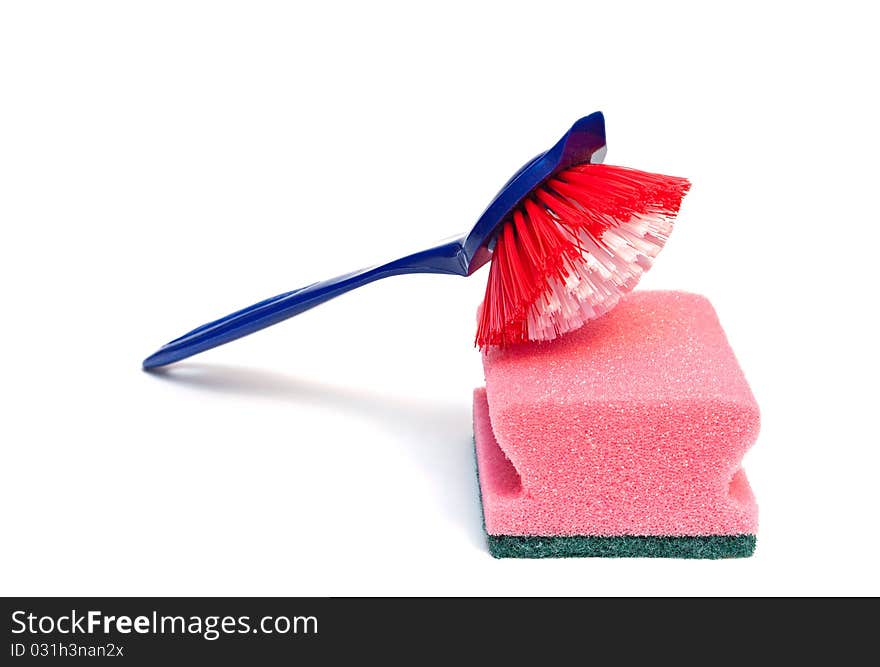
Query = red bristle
x=580 y=218
x=569 y=250
x=514 y=272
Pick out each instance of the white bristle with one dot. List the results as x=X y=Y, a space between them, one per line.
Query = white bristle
x=608 y=268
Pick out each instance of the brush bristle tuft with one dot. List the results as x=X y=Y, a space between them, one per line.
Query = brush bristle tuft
x=572 y=248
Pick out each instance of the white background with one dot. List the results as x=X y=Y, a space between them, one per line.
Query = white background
x=164 y=163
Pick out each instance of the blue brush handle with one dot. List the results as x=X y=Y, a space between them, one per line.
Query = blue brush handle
x=444 y=258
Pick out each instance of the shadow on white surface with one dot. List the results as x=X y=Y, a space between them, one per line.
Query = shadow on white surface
x=441 y=434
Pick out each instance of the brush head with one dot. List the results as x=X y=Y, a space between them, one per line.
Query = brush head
x=584 y=142
x=572 y=247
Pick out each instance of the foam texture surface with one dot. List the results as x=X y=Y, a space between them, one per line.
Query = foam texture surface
x=634 y=425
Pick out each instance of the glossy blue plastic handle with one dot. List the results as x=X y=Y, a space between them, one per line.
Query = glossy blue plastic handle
x=584 y=142
x=444 y=258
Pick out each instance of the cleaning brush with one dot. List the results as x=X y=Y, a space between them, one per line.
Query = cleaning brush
x=572 y=248
x=566 y=236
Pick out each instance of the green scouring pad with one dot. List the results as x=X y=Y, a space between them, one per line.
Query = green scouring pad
x=623 y=546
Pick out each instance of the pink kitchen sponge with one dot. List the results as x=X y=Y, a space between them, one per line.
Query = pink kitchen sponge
x=633 y=426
